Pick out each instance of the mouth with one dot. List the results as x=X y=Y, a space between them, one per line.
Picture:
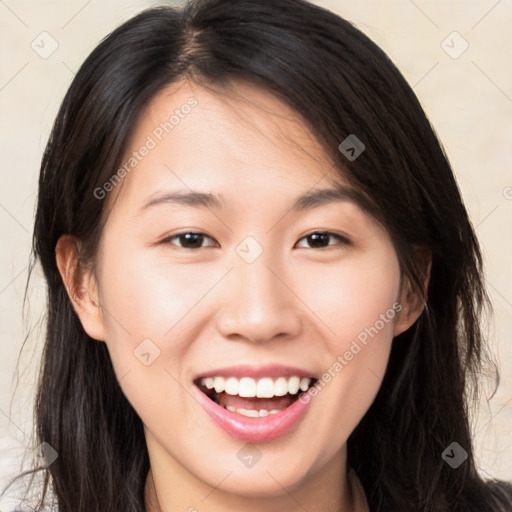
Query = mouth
x=255 y=408
x=254 y=398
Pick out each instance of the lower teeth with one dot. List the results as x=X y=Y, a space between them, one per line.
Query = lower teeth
x=251 y=413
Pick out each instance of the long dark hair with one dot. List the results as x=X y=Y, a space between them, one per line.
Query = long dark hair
x=340 y=83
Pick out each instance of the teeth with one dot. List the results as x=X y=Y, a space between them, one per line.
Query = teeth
x=304 y=384
x=293 y=385
x=219 y=384
x=232 y=386
x=281 y=386
x=266 y=387
x=247 y=387
x=252 y=413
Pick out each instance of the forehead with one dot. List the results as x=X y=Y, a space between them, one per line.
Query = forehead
x=244 y=138
x=248 y=112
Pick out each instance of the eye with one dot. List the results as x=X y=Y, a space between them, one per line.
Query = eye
x=188 y=240
x=316 y=240
x=320 y=239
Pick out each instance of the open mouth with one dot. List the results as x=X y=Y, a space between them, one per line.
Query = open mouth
x=254 y=397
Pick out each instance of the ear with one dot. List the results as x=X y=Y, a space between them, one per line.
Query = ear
x=81 y=287
x=411 y=299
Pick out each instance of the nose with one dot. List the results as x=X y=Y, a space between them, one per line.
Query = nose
x=260 y=303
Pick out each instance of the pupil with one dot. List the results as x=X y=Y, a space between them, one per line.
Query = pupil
x=316 y=236
x=193 y=239
x=196 y=239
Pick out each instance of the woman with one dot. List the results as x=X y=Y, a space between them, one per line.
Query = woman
x=204 y=350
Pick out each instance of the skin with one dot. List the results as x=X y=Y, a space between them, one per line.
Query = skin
x=296 y=304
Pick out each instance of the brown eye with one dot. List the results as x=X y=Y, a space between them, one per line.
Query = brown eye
x=188 y=240
x=320 y=239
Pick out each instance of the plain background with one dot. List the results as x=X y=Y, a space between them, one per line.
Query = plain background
x=455 y=54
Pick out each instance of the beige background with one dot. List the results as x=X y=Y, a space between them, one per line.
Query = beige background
x=466 y=94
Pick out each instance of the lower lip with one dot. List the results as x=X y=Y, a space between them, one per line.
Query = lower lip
x=254 y=430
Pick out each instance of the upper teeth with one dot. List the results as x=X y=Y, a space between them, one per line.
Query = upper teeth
x=262 y=388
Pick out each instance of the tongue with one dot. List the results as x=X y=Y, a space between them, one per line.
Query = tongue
x=277 y=402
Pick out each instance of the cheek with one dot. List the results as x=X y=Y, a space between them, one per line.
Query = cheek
x=353 y=298
x=149 y=316
x=153 y=312
x=150 y=297
x=359 y=305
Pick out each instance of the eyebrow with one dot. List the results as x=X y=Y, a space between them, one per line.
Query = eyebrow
x=308 y=200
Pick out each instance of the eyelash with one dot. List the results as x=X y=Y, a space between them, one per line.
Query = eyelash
x=344 y=241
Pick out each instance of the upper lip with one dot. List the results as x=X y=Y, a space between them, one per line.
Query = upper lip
x=257 y=372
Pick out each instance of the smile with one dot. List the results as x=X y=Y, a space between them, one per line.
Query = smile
x=252 y=408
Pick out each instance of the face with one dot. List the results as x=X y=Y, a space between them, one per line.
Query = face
x=233 y=298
